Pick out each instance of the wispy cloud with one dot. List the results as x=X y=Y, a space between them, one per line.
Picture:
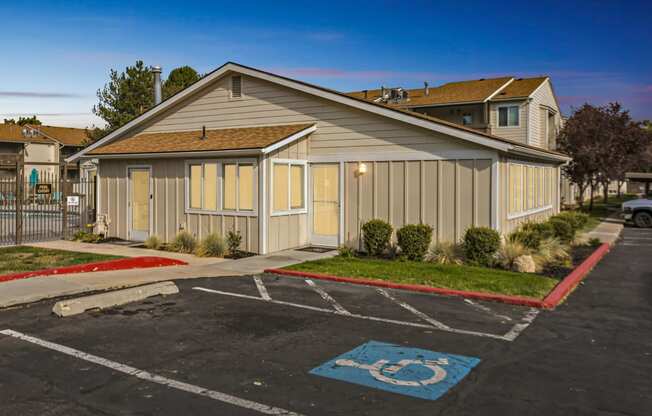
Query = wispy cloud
x=44 y=114
x=373 y=75
x=38 y=94
x=325 y=36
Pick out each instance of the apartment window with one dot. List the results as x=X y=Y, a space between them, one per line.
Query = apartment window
x=530 y=188
x=236 y=86
x=289 y=186
x=203 y=186
x=236 y=179
x=467 y=119
x=508 y=116
x=238 y=186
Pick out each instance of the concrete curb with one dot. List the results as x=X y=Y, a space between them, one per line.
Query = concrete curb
x=552 y=299
x=76 y=306
x=100 y=266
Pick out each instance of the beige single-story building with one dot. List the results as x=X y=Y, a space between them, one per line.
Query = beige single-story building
x=290 y=164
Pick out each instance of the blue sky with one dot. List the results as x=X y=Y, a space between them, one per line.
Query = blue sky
x=56 y=54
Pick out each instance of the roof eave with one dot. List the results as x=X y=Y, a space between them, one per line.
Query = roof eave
x=539 y=154
x=163 y=155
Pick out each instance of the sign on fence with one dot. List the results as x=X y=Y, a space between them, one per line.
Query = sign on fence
x=43 y=188
x=73 y=201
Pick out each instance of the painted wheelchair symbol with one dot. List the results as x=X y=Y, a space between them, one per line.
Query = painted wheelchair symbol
x=380 y=368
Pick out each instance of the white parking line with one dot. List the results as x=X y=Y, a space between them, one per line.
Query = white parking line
x=369 y=318
x=487 y=310
x=261 y=288
x=520 y=327
x=410 y=308
x=147 y=376
x=328 y=298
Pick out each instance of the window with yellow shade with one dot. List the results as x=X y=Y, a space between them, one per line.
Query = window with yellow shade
x=530 y=188
x=236 y=178
x=238 y=190
x=288 y=186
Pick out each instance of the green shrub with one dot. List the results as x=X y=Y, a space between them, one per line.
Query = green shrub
x=530 y=234
x=233 y=241
x=376 y=236
x=86 y=237
x=564 y=231
x=552 y=253
x=153 y=242
x=345 y=252
x=414 y=240
x=184 y=242
x=445 y=252
x=212 y=246
x=481 y=245
x=576 y=219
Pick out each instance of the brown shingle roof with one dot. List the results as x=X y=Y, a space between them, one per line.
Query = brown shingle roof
x=520 y=88
x=66 y=135
x=189 y=141
x=452 y=92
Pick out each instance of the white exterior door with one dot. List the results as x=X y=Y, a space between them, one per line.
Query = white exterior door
x=325 y=179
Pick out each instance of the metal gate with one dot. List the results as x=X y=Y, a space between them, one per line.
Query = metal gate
x=40 y=204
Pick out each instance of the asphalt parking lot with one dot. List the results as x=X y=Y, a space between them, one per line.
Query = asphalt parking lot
x=240 y=347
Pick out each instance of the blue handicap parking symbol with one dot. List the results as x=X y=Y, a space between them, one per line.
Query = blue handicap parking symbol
x=410 y=371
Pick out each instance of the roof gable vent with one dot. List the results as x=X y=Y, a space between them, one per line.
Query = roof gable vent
x=236 y=86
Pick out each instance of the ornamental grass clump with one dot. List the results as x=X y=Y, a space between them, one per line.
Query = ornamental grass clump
x=212 y=245
x=153 y=242
x=184 y=242
x=446 y=252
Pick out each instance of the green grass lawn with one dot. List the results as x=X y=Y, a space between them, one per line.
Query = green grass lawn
x=24 y=259
x=470 y=278
x=601 y=210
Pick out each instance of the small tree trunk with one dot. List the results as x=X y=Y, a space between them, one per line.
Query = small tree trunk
x=620 y=185
x=605 y=192
x=591 y=193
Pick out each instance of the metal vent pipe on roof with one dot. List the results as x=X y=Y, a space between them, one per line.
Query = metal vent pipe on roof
x=426 y=89
x=156 y=70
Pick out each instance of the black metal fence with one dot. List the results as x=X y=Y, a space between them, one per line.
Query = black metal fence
x=40 y=205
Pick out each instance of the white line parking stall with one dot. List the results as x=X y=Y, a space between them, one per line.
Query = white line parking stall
x=340 y=298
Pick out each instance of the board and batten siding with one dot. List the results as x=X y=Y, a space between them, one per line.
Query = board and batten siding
x=340 y=128
x=291 y=230
x=169 y=215
x=450 y=195
x=508 y=225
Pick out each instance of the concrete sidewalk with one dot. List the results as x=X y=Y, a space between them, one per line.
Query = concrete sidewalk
x=126 y=251
x=33 y=289
x=608 y=231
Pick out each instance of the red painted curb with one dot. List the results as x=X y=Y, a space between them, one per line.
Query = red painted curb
x=100 y=266
x=563 y=288
x=552 y=299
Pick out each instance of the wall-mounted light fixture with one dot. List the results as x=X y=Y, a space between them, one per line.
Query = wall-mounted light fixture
x=362 y=168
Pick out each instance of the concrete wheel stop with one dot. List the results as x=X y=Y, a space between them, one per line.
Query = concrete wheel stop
x=106 y=300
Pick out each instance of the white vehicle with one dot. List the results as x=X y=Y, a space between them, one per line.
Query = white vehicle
x=638 y=211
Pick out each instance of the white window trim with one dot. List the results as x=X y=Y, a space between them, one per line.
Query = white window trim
x=220 y=187
x=531 y=211
x=290 y=211
x=518 y=119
